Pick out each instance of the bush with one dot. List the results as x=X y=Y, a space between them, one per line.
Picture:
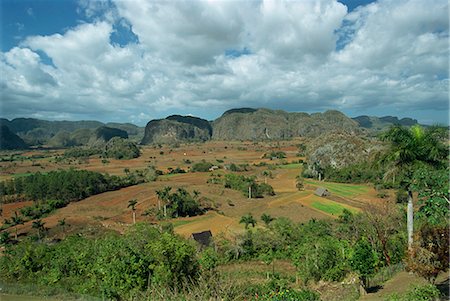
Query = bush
x=289 y=295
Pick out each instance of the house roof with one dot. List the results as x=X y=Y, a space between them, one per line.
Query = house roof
x=203 y=238
x=321 y=191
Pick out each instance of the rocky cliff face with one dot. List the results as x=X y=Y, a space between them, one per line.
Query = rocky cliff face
x=340 y=150
x=177 y=128
x=261 y=124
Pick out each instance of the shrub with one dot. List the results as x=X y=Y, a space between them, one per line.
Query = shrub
x=275 y=154
x=202 y=166
x=426 y=292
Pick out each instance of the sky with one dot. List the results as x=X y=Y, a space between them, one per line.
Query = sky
x=137 y=60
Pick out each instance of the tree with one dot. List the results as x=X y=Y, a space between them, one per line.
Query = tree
x=266 y=173
x=430 y=253
x=363 y=260
x=248 y=219
x=62 y=223
x=16 y=220
x=266 y=218
x=39 y=226
x=132 y=204
x=410 y=148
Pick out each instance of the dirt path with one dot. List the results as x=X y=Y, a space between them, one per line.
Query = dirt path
x=400 y=283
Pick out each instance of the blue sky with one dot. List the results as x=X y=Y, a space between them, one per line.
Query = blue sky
x=132 y=61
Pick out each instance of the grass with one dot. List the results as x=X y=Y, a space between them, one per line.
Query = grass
x=330 y=207
x=341 y=189
x=291 y=166
x=178 y=223
x=171 y=175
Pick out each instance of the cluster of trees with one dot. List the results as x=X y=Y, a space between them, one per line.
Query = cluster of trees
x=356 y=173
x=66 y=185
x=81 y=152
x=178 y=203
x=322 y=250
x=116 y=148
x=247 y=185
x=275 y=154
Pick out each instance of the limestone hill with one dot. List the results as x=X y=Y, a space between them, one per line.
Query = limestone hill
x=177 y=128
x=262 y=124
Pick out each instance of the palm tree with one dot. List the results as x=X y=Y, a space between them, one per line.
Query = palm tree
x=132 y=204
x=16 y=220
x=248 y=219
x=266 y=173
x=196 y=194
x=163 y=195
x=410 y=148
x=266 y=218
x=39 y=225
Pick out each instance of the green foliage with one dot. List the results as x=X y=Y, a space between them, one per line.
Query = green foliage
x=433 y=189
x=426 y=292
x=355 y=173
x=275 y=154
x=322 y=258
x=266 y=218
x=363 y=259
x=67 y=185
x=209 y=259
x=248 y=219
x=41 y=209
x=201 y=166
x=180 y=203
x=112 y=267
x=238 y=167
x=430 y=253
x=81 y=152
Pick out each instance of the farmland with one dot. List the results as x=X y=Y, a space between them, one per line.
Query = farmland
x=109 y=209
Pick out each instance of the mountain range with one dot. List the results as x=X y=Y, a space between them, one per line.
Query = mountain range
x=234 y=124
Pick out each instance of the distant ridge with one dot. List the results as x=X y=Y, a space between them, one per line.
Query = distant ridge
x=9 y=140
x=378 y=124
x=61 y=133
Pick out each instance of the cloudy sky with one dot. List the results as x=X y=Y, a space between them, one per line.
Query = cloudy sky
x=132 y=61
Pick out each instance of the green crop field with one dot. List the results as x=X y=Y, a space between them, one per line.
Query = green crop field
x=344 y=190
